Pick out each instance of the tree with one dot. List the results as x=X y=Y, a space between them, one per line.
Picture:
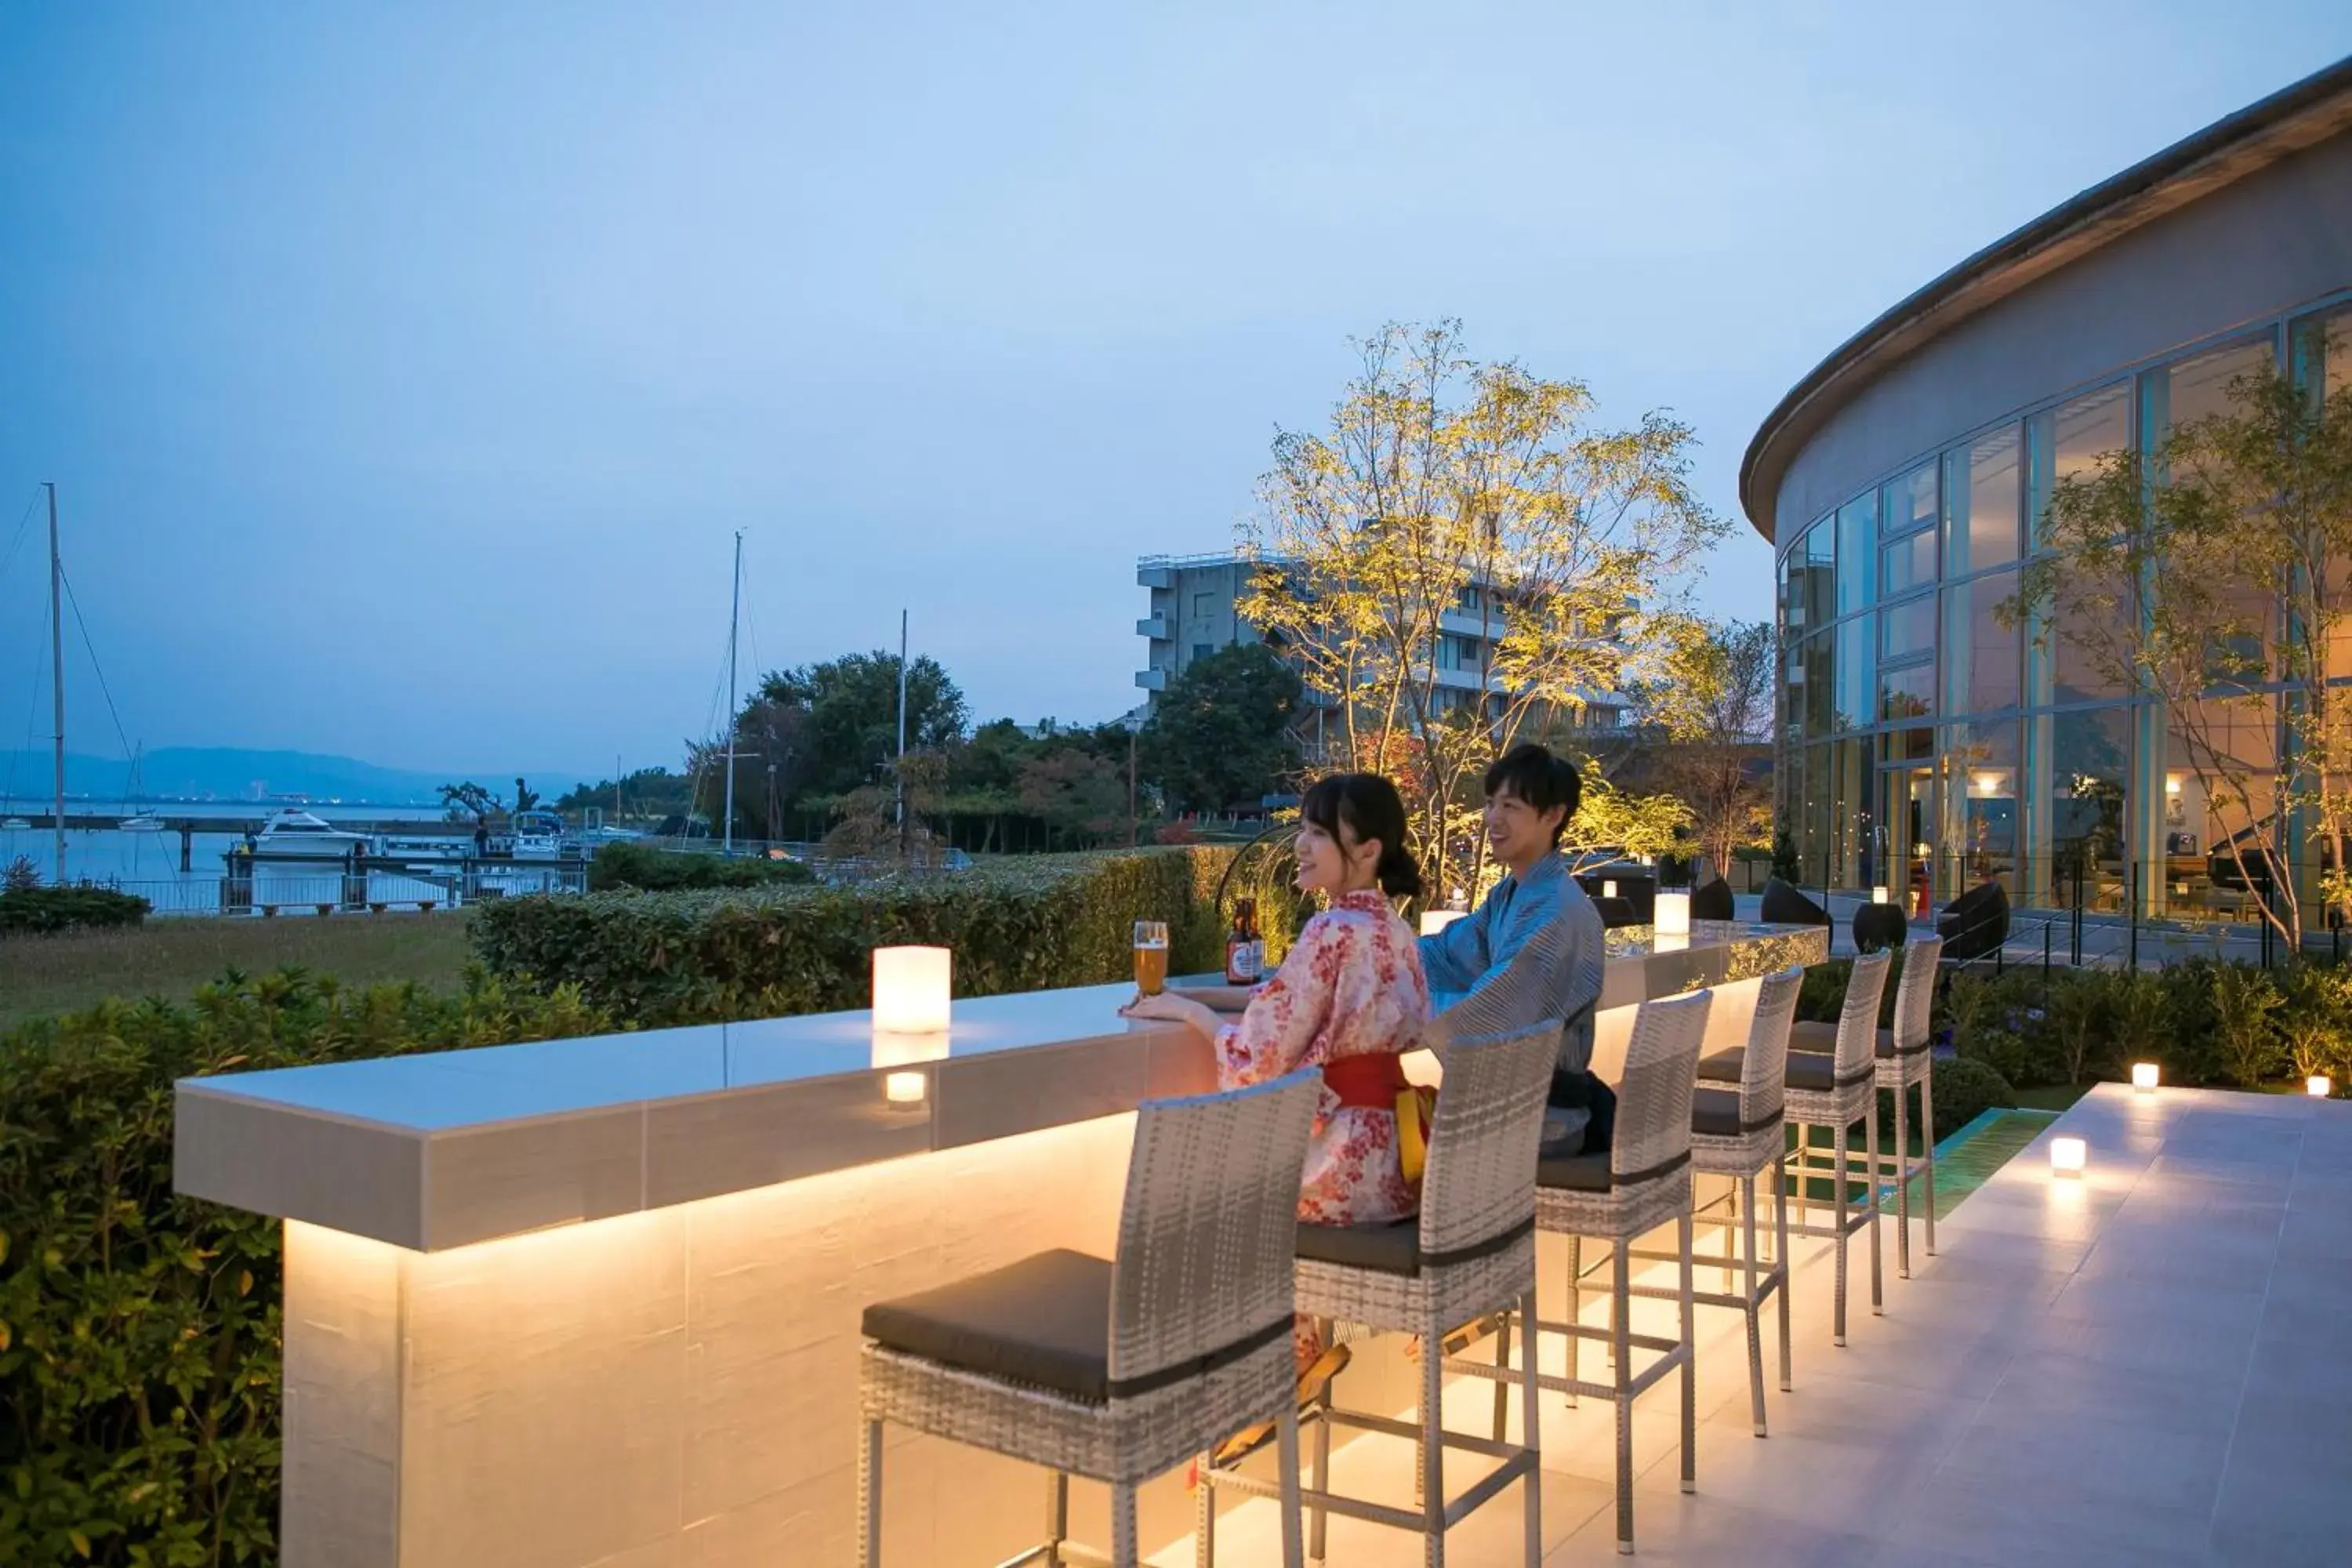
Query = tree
x=1219 y=733
x=1448 y=490
x=2212 y=577
x=1608 y=817
x=1713 y=714
x=469 y=799
x=843 y=713
x=525 y=797
x=644 y=792
x=1077 y=794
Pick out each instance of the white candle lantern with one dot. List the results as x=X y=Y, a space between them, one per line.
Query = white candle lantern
x=1435 y=921
x=1877 y=895
x=2144 y=1075
x=2317 y=1086
x=1607 y=889
x=904 y=1087
x=1671 y=914
x=2068 y=1156
x=910 y=989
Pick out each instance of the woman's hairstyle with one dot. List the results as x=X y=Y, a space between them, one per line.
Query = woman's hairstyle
x=1368 y=805
x=1538 y=778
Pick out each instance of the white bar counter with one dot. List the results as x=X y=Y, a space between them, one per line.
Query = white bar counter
x=594 y=1303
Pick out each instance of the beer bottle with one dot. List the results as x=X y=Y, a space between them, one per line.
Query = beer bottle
x=1241 y=948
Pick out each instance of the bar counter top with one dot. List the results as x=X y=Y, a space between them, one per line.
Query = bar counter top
x=445 y=1149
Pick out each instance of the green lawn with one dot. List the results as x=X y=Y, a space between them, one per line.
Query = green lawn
x=170 y=958
x=2051 y=1096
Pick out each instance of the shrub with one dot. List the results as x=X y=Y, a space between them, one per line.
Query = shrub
x=1017 y=925
x=140 y=1331
x=1966 y=1090
x=43 y=911
x=648 y=869
x=2245 y=1030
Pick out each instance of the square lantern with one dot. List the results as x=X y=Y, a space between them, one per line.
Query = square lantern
x=2144 y=1077
x=910 y=989
x=2068 y=1156
x=1671 y=914
x=2317 y=1086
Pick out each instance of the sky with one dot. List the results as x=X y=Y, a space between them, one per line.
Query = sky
x=406 y=369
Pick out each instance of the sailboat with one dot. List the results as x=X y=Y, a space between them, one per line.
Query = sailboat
x=142 y=821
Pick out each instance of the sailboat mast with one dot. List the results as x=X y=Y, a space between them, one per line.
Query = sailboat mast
x=57 y=675
x=734 y=619
x=901 y=769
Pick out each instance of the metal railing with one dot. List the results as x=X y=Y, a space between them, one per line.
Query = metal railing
x=268 y=895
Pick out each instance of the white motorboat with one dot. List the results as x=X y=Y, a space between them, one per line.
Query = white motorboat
x=14 y=825
x=299 y=836
x=142 y=822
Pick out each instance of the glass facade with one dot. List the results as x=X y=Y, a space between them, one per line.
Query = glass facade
x=1935 y=738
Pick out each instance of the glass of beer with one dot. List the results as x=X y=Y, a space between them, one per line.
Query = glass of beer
x=1150 y=956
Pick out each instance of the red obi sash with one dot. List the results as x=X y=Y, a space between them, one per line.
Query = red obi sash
x=1378 y=1083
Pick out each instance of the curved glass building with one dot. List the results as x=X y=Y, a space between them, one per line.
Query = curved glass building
x=1924 y=745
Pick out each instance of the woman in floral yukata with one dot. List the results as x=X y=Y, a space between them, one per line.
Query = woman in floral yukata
x=1350 y=999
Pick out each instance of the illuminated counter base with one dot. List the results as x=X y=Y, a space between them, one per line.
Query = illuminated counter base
x=674 y=1382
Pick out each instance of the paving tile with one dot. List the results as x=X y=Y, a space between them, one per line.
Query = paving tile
x=2016 y=1441
x=2044 y=1523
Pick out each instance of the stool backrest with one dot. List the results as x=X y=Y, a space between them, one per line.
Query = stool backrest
x=1857 y=1035
x=1654 y=1098
x=1480 y=1182
x=1763 y=1072
x=1210 y=1223
x=1914 y=995
x=1533 y=984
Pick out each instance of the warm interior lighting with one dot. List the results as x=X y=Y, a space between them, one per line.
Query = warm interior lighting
x=910 y=989
x=2317 y=1086
x=1877 y=895
x=2068 y=1156
x=1671 y=914
x=1607 y=889
x=1990 y=782
x=2172 y=783
x=2144 y=1077
x=1435 y=921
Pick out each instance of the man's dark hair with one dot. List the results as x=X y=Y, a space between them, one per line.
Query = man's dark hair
x=1542 y=779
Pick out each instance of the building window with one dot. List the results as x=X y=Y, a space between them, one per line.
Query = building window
x=1203 y=606
x=1907 y=562
x=1202 y=651
x=1857 y=540
x=1982 y=494
x=1908 y=502
x=1857 y=697
x=1982 y=662
x=1908 y=628
x=1907 y=694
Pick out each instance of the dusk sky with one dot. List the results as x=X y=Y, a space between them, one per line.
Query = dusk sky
x=406 y=370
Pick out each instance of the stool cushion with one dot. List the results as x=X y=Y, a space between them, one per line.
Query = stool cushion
x=1813 y=1036
x=1724 y=1066
x=1392 y=1247
x=1716 y=1112
x=1045 y=1320
x=1886 y=1051
x=1811 y=1070
x=1573 y=1172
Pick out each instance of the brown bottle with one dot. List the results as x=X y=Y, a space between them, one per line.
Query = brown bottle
x=1244 y=956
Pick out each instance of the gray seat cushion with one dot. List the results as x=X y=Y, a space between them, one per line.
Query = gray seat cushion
x=1724 y=1066
x=1394 y=1247
x=1716 y=1112
x=1811 y=1069
x=1822 y=1039
x=1044 y=1322
x=1573 y=1172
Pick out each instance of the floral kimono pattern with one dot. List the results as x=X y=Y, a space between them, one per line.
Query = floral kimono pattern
x=1352 y=987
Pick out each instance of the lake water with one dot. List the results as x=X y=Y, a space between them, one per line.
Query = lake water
x=148 y=864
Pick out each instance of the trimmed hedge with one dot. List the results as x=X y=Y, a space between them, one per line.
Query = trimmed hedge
x=615 y=867
x=140 y=1331
x=44 y=912
x=1038 y=922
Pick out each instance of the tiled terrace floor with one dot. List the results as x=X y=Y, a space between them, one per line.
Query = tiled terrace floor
x=2152 y=1365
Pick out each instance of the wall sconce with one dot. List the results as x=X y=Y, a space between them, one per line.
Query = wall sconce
x=2172 y=783
x=1878 y=894
x=1670 y=915
x=2317 y=1086
x=2144 y=1076
x=1435 y=921
x=910 y=989
x=2068 y=1156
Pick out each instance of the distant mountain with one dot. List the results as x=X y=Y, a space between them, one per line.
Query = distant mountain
x=229 y=772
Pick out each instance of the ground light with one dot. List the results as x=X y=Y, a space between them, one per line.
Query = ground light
x=2317 y=1086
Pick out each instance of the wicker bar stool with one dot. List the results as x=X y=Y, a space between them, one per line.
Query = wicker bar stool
x=1118 y=1371
x=1906 y=1058
x=1640 y=1183
x=1834 y=1089
x=1741 y=1134
x=1471 y=1252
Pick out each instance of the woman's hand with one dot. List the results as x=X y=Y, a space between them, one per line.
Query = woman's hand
x=1169 y=1008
